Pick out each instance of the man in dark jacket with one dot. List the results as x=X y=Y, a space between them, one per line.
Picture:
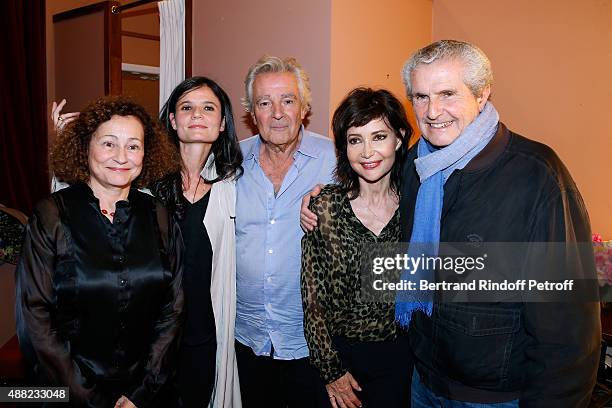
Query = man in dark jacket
x=470 y=178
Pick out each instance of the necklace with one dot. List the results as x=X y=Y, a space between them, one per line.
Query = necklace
x=105 y=212
x=393 y=198
x=196 y=190
x=373 y=213
x=185 y=181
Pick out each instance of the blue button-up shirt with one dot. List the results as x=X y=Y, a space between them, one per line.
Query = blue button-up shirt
x=268 y=247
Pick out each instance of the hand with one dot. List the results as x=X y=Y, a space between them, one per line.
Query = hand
x=308 y=219
x=59 y=120
x=124 y=402
x=341 y=393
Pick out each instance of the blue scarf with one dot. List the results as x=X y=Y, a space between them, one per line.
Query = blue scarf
x=434 y=167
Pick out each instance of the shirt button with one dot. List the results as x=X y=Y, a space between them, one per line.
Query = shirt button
x=272 y=221
x=269 y=279
x=123 y=282
x=270 y=251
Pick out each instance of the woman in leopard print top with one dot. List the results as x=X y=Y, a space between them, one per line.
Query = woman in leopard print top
x=356 y=345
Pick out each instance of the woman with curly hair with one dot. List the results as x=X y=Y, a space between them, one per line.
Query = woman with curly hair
x=99 y=299
x=198 y=118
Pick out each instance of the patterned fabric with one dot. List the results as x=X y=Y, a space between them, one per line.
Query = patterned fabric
x=331 y=282
x=11 y=237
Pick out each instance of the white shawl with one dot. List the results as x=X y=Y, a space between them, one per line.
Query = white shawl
x=219 y=223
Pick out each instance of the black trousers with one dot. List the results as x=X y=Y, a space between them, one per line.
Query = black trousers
x=269 y=383
x=383 y=369
x=196 y=375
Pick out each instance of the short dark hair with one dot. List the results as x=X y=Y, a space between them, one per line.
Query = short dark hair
x=69 y=157
x=360 y=107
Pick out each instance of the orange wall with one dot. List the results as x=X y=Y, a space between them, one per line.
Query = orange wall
x=341 y=43
x=369 y=44
x=231 y=35
x=551 y=61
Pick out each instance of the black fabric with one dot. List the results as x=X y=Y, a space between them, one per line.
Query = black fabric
x=196 y=375
x=199 y=318
x=270 y=383
x=196 y=371
x=99 y=303
x=515 y=190
x=383 y=370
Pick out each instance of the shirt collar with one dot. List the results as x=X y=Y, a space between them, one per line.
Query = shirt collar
x=86 y=192
x=308 y=147
x=252 y=156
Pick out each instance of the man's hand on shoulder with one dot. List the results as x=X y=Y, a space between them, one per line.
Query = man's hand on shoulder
x=308 y=219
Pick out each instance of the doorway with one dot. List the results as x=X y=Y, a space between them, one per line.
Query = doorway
x=109 y=48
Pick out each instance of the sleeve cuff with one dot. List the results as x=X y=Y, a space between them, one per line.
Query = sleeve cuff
x=140 y=397
x=331 y=369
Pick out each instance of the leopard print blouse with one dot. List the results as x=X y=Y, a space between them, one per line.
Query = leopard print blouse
x=331 y=282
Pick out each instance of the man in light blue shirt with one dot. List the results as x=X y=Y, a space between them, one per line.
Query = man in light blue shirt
x=281 y=164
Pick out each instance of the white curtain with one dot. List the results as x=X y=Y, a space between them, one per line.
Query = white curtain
x=171 y=46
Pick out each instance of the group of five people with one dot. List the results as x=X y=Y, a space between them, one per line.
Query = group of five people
x=211 y=294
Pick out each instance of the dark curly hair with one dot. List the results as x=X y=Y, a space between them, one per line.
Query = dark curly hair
x=228 y=156
x=69 y=155
x=360 y=107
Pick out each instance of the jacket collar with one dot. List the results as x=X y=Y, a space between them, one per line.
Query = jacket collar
x=83 y=191
x=491 y=151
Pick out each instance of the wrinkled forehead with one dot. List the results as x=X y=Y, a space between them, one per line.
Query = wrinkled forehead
x=444 y=72
x=123 y=127
x=275 y=83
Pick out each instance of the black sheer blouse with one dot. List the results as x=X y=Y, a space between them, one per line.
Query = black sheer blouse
x=99 y=303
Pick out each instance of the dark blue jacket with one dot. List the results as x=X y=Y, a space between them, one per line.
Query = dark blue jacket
x=545 y=354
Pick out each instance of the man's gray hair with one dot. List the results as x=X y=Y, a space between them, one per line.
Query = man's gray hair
x=270 y=64
x=476 y=76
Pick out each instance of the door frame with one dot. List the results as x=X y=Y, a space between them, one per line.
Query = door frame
x=112 y=41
